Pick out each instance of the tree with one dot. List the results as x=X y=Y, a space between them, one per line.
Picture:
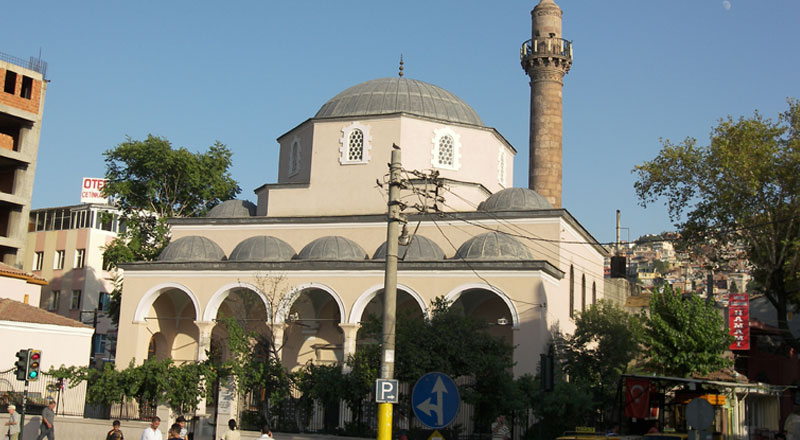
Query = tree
x=150 y=182
x=740 y=191
x=684 y=334
x=606 y=340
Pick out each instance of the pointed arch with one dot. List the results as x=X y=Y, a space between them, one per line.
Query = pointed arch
x=211 y=309
x=287 y=301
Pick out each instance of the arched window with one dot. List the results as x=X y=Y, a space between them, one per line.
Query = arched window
x=583 y=293
x=151 y=348
x=294 y=157
x=355 y=144
x=594 y=292
x=446 y=149
x=571 y=291
x=501 y=166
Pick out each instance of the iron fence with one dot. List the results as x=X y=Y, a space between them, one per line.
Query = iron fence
x=69 y=400
x=35 y=64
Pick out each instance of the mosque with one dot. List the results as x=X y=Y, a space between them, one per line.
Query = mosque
x=306 y=261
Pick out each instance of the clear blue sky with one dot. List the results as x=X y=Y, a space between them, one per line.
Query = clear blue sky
x=245 y=72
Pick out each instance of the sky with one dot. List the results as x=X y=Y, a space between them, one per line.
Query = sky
x=245 y=72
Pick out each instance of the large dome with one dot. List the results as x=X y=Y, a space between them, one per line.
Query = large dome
x=262 y=248
x=420 y=249
x=515 y=199
x=493 y=246
x=332 y=248
x=394 y=95
x=192 y=248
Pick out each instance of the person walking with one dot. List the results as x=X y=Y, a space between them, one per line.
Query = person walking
x=115 y=433
x=174 y=432
x=152 y=432
x=13 y=423
x=266 y=433
x=181 y=420
x=47 y=429
x=500 y=430
x=232 y=433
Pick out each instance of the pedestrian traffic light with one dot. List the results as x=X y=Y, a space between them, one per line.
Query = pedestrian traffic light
x=34 y=361
x=22 y=364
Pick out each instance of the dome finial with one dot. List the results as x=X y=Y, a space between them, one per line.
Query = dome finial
x=401 y=66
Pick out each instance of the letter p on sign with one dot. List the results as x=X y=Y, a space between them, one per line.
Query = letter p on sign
x=386 y=391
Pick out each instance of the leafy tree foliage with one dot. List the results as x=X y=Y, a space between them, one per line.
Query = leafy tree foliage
x=684 y=334
x=151 y=181
x=606 y=340
x=741 y=189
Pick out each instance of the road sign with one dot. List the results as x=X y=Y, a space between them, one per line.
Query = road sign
x=435 y=400
x=386 y=390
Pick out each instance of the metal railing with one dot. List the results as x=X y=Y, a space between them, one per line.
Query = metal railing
x=546 y=46
x=69 y=400
x=33 y=63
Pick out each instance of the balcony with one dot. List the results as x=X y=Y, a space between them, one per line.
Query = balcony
x=546 y=47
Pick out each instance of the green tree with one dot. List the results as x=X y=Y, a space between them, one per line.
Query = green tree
x=151 y=182
x=684 y=334
x=742 y=190
x=605 y=342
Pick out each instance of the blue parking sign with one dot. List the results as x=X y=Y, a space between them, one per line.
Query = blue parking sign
x=435 y=400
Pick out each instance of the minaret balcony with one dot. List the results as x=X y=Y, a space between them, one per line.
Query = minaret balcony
x=546 y=47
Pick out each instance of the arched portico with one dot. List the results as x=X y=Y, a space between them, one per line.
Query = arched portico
x=212 y=308
x=469 y=289
x=405 y=295
x=310 y=316
x=146 y=302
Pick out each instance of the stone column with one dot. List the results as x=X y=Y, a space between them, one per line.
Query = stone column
x=203 y=347
x=350 y=335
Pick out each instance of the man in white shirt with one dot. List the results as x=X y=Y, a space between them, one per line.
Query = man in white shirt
x=152 y=432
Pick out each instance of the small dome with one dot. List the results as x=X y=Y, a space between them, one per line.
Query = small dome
x=493 y=246
x=192 y=248
x=233 y=208
x=332 y=248
x=420 y=249
x=394 y=95
x=262 y=248
x=515 y=199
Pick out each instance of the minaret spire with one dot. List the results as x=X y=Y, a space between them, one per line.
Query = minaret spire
x=546 y=58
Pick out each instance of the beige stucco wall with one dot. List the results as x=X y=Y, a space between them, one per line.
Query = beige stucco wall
x=332 y=184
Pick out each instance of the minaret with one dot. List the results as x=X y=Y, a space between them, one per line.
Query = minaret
x=546 y=58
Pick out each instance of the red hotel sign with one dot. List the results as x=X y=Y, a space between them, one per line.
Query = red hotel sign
x=739 y=320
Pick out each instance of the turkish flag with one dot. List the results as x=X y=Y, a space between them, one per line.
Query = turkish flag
x=637 y=398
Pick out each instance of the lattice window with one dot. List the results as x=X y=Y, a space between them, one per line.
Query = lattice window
x=446 y=149
x=355 y=148
x=355 y=144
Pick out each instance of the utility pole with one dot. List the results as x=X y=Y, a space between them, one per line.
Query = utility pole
x=390 y=290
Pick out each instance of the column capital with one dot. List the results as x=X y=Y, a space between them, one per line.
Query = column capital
x=205 y=326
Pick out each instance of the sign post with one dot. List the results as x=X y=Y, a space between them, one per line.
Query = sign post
x=435 y=400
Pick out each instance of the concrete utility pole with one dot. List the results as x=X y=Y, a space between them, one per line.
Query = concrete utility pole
x=390 y=290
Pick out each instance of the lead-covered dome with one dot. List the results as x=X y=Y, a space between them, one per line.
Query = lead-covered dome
x=394 y=95
x=332 y=247
x=420 y=249
x=233 y=208
x=493 y=246
x=515 y=199
x=262 y=248
x=192 y=248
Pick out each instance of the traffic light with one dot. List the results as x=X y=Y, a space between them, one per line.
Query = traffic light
x=22 y=364
x=34 y=361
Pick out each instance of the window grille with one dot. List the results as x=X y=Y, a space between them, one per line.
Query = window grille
x=355 y=150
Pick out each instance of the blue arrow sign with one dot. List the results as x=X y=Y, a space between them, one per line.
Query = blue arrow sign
x=435 y=400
